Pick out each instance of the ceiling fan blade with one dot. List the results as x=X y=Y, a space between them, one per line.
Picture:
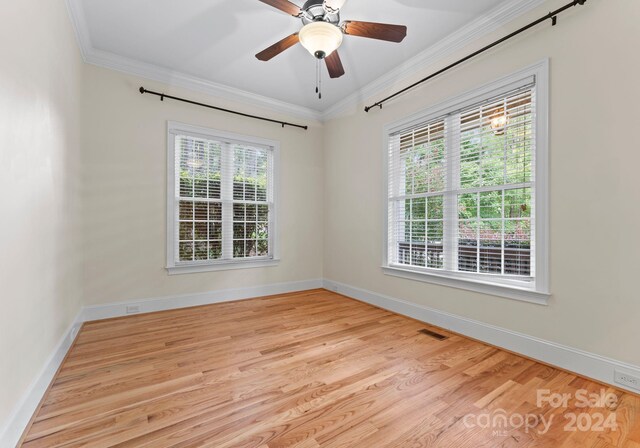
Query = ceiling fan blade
x=333 y=5
x=277 y=48
x=285 y=6
x=372 y=30
x=334 y=65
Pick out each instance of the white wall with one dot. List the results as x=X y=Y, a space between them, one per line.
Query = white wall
x=40 y=246
x=594 y=182
x=124 y=191
x=57 y=254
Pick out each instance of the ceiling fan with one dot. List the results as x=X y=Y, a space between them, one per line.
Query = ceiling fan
x=322 y=32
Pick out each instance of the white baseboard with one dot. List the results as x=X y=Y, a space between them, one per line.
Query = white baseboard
x=15 y=425
x=578 y=361
x=18 y=420
x=574 y=360
x=98 y=312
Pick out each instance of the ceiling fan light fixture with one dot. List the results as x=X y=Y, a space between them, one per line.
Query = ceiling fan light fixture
x=320 y=38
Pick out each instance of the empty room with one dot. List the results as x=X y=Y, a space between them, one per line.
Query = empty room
x=320 y=223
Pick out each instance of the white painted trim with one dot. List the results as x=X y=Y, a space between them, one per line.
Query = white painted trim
x=183 y=80
x=504 y=84
x=456 y=41
x=174 y=128
x=118 y=309
x=476 y=285
x=473 y=31
x=18 y=420
x=581 y=362
x=78 y=20
x=536 y=290
x=584 y=363
x=225 y=266
x=541 y=164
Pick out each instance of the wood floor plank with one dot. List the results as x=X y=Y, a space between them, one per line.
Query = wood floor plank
x=303 y=370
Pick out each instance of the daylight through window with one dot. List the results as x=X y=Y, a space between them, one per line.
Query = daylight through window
x=223 y=200
x=462 y=189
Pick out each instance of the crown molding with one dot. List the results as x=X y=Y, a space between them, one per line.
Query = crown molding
x=112 y=61
x=78 y=20
x=178 y=79
x=474 y=30
x=477 y=29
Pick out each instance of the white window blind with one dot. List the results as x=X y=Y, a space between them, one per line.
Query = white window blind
x=222 y=201
x=461 y=191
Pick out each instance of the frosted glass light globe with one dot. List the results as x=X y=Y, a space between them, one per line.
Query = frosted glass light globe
x=320 y=38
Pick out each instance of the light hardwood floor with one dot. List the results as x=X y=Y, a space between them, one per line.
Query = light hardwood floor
x=305 y=370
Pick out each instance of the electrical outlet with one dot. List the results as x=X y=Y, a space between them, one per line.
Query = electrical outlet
x=133 y=309
x=626 y=379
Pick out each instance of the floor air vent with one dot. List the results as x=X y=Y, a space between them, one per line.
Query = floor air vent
x=433 y=334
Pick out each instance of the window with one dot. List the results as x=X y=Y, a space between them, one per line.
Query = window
x=466 y=200
x=221 y=208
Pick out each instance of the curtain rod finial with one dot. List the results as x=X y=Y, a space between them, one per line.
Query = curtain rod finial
x=142 y=90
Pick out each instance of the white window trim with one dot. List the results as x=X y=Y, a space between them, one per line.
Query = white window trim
x=536 y=291
x=174 y=128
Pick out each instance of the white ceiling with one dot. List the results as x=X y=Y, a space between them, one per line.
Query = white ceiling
x=216 y=40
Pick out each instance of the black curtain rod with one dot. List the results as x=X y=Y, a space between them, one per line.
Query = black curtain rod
x=163 y=96
x=551 y=16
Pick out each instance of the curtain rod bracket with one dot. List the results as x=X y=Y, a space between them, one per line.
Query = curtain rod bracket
x=554 y=20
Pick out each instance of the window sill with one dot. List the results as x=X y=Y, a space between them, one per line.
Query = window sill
x=485 y=287
x=222 y=266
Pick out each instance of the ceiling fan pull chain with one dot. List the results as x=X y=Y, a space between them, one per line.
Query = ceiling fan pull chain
x=319 y=80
